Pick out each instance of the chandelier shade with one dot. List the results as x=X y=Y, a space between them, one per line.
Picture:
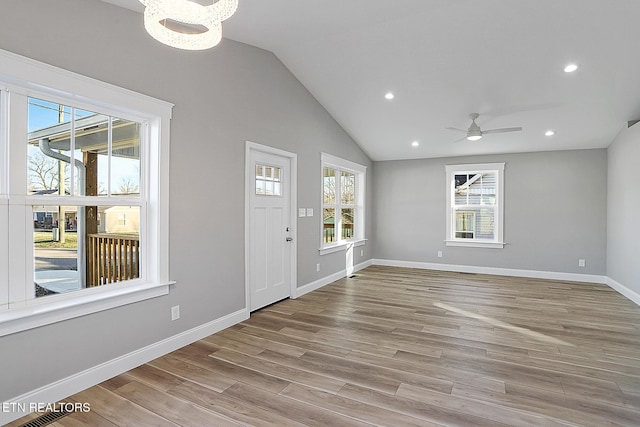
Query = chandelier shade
x=187 y=14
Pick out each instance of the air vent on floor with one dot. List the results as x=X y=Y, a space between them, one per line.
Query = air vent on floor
x=46 y=419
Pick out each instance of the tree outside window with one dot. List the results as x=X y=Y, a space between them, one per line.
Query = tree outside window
x=342 y=201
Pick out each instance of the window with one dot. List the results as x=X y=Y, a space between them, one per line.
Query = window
x=268 y=181
x=474 y=205
x=343 y=185
x=85 y=195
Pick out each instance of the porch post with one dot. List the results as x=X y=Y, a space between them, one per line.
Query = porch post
x=90 y=160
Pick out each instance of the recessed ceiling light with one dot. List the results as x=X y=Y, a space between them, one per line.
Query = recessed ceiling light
x=570 y=68
x=550 y=132
x=415 y=144
x=389 y=96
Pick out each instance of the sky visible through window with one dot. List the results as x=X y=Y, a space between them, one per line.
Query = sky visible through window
x=125 y=172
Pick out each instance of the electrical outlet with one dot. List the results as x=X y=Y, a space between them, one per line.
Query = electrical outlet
x=439 y=254
x=317 y=267
x=582 y=263
x=175 y=312
x=361 y=252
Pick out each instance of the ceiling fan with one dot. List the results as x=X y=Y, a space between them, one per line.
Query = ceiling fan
x=474 y=133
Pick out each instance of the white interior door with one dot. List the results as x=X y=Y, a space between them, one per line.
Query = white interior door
x=270 y=243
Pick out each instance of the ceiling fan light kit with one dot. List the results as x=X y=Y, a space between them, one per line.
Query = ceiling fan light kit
x=187 y=13
x=474 y=133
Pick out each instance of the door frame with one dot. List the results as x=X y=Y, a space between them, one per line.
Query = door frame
x=293 y=201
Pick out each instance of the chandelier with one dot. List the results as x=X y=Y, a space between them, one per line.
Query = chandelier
x=179 y=23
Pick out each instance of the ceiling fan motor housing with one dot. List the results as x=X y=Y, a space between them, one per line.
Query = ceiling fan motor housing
x=474 y=132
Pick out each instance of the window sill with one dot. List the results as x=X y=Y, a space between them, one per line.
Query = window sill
x=476 y=244
x=342 y=246
x=41 y=314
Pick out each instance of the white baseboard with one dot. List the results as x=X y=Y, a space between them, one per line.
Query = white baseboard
x=317 y=284
x=552 y=275
x=590 y=278
x=362 y=266
x=620 y=288
x=65 y=387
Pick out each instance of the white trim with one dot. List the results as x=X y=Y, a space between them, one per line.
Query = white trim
x=359 y=205
x=77 y=304
x=4 y=257
x=474 y=167
x=498 y=242
x=75 y=383
x=475 y=244
x=534 y=274
x=341 y=163
x=293 y=200
x=621 y=289
x=27 y=76
x=5 y=137
x=317 y=284
x=342 y=246
x=22 y=77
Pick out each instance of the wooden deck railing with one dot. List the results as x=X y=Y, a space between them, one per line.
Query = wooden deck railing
x=112 y=258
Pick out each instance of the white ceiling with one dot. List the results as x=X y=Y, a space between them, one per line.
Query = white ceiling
x=444 y=59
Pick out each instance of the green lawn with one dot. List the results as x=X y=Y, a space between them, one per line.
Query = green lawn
x=44 y=239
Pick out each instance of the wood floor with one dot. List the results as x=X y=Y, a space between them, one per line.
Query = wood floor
x=399 y=347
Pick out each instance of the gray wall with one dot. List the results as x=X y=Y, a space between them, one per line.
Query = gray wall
x=223 y=97
x=623 y=210
x=555 y=212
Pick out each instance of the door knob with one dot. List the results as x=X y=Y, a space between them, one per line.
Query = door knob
x=289 y=239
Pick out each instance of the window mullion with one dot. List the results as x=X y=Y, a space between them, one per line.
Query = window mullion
x=337 y=220
x=72 y=156
x=4 y=206
x=19 y=258
x=109 y=151
x=4 y=253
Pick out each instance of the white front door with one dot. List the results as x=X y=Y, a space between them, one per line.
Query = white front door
x=270 y=251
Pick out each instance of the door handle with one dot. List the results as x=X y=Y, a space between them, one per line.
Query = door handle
x=289 y=239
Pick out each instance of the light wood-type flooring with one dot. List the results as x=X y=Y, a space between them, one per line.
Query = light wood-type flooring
x=399 y=347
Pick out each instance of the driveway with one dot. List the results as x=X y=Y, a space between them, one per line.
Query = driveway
x=56 y=259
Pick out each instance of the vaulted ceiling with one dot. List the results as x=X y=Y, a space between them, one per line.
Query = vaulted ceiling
x=444 y=59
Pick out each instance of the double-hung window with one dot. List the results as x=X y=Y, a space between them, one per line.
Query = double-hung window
x=343 y=185
x=475 y=205
x=83 y=195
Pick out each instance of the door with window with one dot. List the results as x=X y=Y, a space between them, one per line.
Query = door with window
x=270 y=252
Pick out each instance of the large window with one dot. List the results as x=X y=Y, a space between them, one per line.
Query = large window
x=83 y=205
x=342 y=202
x=475 y=205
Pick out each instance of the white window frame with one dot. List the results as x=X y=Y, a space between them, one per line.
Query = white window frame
x=360 y=172
x=498 y=240
x=21 y=78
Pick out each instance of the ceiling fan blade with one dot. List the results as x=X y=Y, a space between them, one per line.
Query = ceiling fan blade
x=464 y=138
x=502 y=130
x=460 y=130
